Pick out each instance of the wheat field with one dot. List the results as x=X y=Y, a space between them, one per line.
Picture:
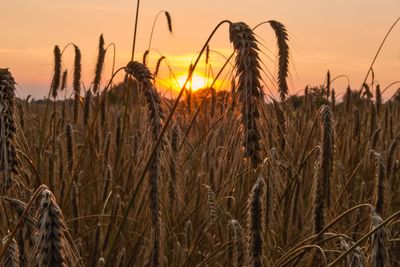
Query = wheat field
x=119 y=175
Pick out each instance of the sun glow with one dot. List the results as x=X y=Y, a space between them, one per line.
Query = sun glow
x=197 y=82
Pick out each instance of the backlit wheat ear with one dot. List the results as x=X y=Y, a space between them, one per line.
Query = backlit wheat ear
x=64 y=80
x=103 y=110
x=145 y=56
x=255 y=224
x=323 y=170
x=328 y=83
x=25 y=238
x=318 y=201
x=75 y=206
x=283 y=54
x=347 y=99
x=11 y=257
x=55 y=83
x=237 y=253
x=86 y=107
x=378 y=99
x=356 y=258
x=207 y=54
x=144 y=78
x=212 y=204
x=50 y=246
x=99 y=65
x=379 y=194
x=379 y=256
x=247 y=65
x=76 y=84
x=169 y=21
x=372 y=123
x=158 y=65
x=8 y=160
x=327 y=150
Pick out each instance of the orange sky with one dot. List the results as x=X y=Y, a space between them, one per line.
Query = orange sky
x=339 y=35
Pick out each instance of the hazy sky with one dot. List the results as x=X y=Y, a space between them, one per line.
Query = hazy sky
x=340 y=35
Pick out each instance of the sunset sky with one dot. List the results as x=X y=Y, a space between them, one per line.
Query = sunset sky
x=339 y=35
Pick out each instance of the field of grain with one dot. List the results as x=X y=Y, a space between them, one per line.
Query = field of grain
x=118 y=175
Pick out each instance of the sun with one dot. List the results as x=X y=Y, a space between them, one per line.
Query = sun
x=197 y=82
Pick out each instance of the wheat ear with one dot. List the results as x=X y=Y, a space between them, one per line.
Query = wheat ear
x=379 y=256
x=99 y=65
x=255 y=224
x=11 y=257
x=8 y=159
x=283 y=55
x=51 y=244
x=76 y=83
x=247 y=65
x=144 y=77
